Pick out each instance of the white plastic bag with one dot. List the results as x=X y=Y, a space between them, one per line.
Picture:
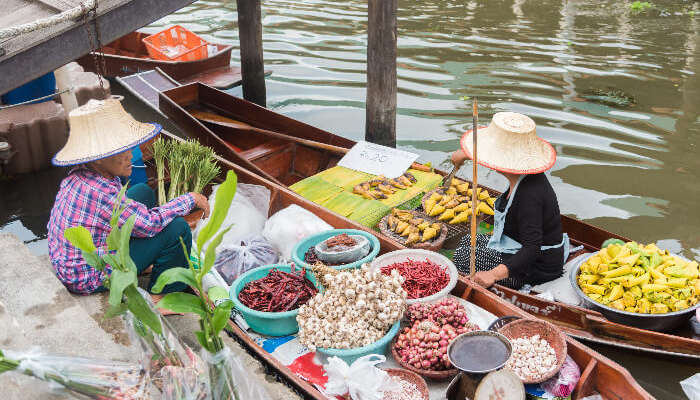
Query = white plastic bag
x=289 y=226
x=249 y=253
x=247 y=214
x=363 y=380
x=691 y=387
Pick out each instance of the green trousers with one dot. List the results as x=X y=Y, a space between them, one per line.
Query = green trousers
x=164 y=250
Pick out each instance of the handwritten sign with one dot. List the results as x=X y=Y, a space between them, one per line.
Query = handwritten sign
x=378 y=160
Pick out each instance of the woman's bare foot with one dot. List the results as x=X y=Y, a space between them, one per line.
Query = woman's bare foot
x=156 y=298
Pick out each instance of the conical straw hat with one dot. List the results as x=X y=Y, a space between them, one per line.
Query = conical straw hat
x=101 y=129
x=510 y=144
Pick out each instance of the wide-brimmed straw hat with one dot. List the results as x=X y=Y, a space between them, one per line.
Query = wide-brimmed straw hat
x=101 y=129
x=510 y=144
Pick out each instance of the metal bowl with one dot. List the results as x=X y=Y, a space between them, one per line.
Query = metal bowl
x=359 y=250
x=652 y=322
x=502 y=338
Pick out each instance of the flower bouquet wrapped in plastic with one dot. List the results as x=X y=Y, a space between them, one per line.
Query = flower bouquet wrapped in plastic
x=94 y=379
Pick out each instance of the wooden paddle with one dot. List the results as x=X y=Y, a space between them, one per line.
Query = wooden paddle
x=472 y=258
x=232 y=123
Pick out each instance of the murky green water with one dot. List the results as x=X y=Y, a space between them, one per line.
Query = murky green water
x=629 y=164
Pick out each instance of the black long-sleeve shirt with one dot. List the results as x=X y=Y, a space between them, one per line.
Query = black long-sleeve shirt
x=534 y=220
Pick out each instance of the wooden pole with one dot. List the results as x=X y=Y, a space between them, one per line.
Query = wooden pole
x=472 y=258
x=250 y=36
x=380 y=125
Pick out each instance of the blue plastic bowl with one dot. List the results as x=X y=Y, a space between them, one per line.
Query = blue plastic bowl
x=302 y=247
x=378 y=347
x=267 y=323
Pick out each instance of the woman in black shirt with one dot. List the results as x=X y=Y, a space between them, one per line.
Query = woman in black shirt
x=527 y=245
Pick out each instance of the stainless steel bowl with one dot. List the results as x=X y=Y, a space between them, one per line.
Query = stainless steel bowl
x=652 y=322
x=463 y=336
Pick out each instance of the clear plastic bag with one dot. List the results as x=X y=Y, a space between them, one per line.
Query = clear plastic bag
x=246 y=216
x=362 y=380
x=289 y=226
x=94 y=379
x=563 y=383
x=229 y=379
x=250 y=253
x=184 y=383
x=691 y=387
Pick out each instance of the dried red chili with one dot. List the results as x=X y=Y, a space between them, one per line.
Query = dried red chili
x=422 y=278
x=279 y=291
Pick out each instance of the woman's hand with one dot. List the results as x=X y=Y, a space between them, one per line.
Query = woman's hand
x=201 y=202
x=458 y=158
x=488 y=278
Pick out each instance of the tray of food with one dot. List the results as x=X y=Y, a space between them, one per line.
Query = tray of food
x=414 y=229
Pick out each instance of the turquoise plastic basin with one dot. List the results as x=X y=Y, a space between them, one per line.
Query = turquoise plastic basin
x=378 y=347
x=303 y=246
x=267 y=323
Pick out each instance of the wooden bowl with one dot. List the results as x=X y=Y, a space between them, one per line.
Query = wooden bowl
x=547 y=331
x=413 y=378
x=433 y=244
x=435 y=375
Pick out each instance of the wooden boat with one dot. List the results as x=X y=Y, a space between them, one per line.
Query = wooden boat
x=128 y=55
x=599 y=374
x=286 y=163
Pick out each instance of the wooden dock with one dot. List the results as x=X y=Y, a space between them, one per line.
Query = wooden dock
x=30 y=55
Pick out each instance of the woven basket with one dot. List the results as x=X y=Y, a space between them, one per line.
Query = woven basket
x=433 y=244
x=435 y=375
x=413 y=378
x=547 y=331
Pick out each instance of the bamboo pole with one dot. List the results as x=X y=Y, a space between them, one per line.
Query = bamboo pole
x=472 y=258
x=252 y=66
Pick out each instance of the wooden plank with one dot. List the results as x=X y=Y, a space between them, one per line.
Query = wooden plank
x=60 y=5
x=250 y=37
x=46 y=50
x=380 y=125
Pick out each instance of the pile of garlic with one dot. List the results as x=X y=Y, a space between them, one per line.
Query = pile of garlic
x=532 y=358
x=356 y=309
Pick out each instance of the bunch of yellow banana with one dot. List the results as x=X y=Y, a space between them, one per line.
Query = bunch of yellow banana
x=405 y=223
x=381 y=186
x=641 y=279
x=454 y=204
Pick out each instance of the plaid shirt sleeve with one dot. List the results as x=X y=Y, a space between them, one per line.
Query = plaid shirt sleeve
x=149 y=222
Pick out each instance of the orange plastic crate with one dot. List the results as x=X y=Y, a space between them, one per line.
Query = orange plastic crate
x=176 y=44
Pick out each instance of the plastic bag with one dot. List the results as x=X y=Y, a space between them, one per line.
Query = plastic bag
x=246 y=216
x=563 y=383
x=188 y=383
x=290 y=225
x=691 y=387
x=249 y=253
x=227 y=375
x=363 y=380
x=96 y=379
x=158 y=350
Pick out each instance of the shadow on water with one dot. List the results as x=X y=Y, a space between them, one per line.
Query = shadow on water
x=629 y=167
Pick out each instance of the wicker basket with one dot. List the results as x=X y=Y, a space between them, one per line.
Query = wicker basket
x=547 y=331
x=413 y=378
x=433 y=244
x=435 y=375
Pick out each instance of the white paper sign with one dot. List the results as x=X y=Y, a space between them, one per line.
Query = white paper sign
x=378 y=160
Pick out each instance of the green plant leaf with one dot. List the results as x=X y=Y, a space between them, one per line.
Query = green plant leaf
x=217 y=293
x=141 y=310
x=94 y=261
x=173 y=275
x=224 y=197
x=113 y=239
x=113 y=311
x=119 y=280
x=183 y=303
x=202 y=340
x=210 y=255
x=222 y=313
x=112 y=260
x=124 y=238
x=81 y=238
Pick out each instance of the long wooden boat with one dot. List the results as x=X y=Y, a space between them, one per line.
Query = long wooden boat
x=285 y=162
x=128 y=55
x=599 y=374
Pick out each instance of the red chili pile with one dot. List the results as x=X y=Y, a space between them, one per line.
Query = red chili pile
x=277 y=292
x=341 y=240
x=422 y=278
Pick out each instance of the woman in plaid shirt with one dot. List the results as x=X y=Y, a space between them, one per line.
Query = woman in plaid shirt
x=101 y=137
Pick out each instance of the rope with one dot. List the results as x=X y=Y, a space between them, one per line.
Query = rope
x=71 y=14
x=38 y=98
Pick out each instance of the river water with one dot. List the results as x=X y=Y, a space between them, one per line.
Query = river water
x=615 y=90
